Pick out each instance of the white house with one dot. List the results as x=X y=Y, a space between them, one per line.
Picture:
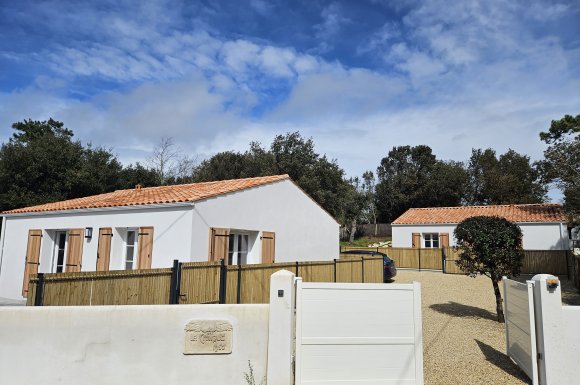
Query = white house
x=253 y=220
x=544 y=226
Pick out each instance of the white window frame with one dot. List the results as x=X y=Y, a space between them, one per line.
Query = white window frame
x=234 y=252
x=126 y=248
x=431 y=238
x=55 y=249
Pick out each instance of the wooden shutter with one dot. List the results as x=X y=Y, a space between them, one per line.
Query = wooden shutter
x=32 y=258
x=145 y=245
x=416 y=240
x=268 y=246
x=219 y=240
x=444 y=240
x=104 y=248
x=74 y=256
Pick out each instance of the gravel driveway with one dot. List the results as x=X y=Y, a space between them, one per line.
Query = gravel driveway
x=462 y=341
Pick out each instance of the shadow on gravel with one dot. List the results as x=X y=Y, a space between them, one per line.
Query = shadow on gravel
x=460 y=310
x=502 y=361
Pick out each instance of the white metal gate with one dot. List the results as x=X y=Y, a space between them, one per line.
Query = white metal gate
x=368 y=334
x=521 y=326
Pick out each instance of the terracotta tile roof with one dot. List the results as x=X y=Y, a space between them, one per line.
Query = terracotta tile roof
x=154 y=195
x=545 y=212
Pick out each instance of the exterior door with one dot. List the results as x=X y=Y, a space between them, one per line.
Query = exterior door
x=145 y=247
x=32 y=258
x=268 y=246
x=74 y=257
x=104 y=248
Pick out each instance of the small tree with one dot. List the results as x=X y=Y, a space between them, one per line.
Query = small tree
x=490 y=246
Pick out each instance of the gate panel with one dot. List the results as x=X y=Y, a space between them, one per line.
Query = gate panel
x=358 y=333
x=520 y=326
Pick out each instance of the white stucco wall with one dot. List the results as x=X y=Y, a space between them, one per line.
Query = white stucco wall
x=536 y=236
x=403 y=234
x=172 y=239
x=304 y=231
x=130 y=345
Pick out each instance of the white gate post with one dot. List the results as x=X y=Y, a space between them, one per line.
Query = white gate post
x=281 y=329
x=548 y=306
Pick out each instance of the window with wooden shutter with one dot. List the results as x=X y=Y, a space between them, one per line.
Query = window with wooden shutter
x=104 y=248
x=145 y=246
x=444 y=240
x=219 y=240
x=74 y=257
x=416 y=240
x=32 y=258
x=268 y=246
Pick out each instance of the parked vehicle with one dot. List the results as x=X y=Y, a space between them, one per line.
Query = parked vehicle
x=389 y=269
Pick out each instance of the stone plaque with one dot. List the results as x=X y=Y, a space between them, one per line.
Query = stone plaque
x=208 y=337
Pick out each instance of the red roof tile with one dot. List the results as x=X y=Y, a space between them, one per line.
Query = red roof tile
x=154 y=195
x=545 y=212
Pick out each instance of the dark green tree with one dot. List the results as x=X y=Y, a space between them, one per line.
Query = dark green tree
x=413 y=177
x=137 y=174
x=291 y=154
x=42 y=163
x=561 y=165
x=490 y=246
x=511 y=178
x=232 y=165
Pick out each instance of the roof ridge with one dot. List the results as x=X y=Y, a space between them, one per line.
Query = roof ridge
x=486 y=206
x=282 y=176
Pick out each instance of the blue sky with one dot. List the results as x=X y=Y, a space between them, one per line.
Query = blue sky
x=358 y=76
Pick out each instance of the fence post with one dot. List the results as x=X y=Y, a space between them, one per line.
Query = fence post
x=175 y=286
x=297 y=269
x=362 y=261
x=568 y=260
x=334 y=269
x=419 y=259
x=223 y=279
x=239 y=290
x=39 y=297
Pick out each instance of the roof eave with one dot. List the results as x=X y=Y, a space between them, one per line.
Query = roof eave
x=456 y=223
x=97 y=209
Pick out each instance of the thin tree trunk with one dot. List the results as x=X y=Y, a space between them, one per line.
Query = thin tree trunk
x=352 y=231
x=498 y=302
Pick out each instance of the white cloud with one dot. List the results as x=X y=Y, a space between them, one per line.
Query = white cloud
x=455 y=77
x=332 y=22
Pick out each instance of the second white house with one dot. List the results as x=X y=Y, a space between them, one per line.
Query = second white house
x=253 y=220
x=544 y=226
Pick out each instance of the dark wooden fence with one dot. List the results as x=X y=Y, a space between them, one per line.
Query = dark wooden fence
x=191 y=283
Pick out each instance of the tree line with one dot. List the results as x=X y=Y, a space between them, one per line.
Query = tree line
x=42 y=162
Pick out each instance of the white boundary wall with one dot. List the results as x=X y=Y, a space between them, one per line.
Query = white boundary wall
x=111 y=345
x=367 y=334
x=352 y=333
